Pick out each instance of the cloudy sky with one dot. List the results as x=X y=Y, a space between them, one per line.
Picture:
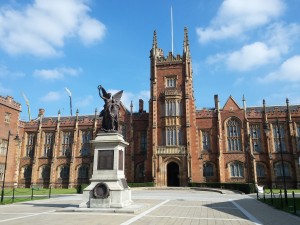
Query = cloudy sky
x=238 y=48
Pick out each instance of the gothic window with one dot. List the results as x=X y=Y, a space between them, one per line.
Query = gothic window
x=140 y=171
x=171 y=82
x=236 y=169
x=7 y=117
x=64 y=172
x=123 y=129
x=30 y=145
x=3 y=147
x=27 y=172
x=205 y=140
x=260 y=170
x=172 y=108
x=298 y=136
x=48 y=144
x=255 y=136
x=279 y=171
x=143 y=142
x=278 y=134
x=83 y=172
x=208 y=170
x=45 y=172
x=85 y=143
x=1 y=171
x=67 y=142
x=173 y=136
x=233 y=135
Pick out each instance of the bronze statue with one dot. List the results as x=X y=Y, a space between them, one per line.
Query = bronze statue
x=110 y=113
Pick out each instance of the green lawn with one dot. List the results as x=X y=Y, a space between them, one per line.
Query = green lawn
x=28 y=194
x=38 y=191
x=277 y=190
x=278 y=203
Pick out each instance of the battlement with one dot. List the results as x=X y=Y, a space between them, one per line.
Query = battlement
x=10 y=102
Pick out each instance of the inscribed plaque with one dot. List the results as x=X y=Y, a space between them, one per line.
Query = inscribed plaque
x=105 y=160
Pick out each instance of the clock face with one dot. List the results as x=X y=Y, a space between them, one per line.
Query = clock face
x=101 y=191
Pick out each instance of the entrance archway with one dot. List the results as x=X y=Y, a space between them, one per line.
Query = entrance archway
x=173 y=174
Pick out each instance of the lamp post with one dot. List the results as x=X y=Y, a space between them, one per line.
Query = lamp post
x=3 y=182
x=282 y=164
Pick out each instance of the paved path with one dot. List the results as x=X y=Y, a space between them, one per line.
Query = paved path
x=160 y=207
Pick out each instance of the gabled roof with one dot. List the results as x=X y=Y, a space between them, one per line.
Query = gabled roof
x=231 y=104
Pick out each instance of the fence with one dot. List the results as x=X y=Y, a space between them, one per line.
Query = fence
x=24 y=194
x=277 y=200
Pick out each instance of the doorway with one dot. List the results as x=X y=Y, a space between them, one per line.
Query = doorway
x=173 y=174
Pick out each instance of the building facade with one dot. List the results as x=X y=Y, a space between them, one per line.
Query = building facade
x=174 y=143
x=9 y=144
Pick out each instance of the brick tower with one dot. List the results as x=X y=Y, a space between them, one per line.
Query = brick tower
x=172 y=126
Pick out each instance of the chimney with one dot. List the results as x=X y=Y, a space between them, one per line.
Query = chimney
x=141 y=105
x=41 y=112
x=216 y=97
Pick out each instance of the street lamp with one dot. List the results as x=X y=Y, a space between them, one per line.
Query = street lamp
x=3 y=182
x=282 y=164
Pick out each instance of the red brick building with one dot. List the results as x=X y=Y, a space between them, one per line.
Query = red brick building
x=9 y=122
x=172 y=144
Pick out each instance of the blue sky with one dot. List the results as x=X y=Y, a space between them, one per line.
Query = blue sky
x=237 y=46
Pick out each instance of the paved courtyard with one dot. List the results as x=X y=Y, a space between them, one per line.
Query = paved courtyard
x=166 y=207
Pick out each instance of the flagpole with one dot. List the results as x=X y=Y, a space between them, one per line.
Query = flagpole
x=172 y=28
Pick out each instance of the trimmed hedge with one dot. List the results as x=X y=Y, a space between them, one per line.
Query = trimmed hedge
x=81 y=187
x=146 y=184
x=247 y=188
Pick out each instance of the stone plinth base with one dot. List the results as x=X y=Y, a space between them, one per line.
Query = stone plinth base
x=119 y=196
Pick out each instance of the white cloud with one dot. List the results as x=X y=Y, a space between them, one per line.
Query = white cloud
x=247 y=58
x=251 y=56
x=51 y=96
x=234 y=17
x=282 y=36
x=289 y=71
x=56 y=73
x=42 y=28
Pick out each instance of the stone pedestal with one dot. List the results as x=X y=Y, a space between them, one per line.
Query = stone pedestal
x=108 y=188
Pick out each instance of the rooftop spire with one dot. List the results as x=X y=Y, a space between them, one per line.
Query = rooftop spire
x=186 y=45
x=154 y=45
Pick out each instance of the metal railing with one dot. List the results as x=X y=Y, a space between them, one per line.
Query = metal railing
x=277 y=200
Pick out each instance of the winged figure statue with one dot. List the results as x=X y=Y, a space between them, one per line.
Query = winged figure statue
x=110 y=112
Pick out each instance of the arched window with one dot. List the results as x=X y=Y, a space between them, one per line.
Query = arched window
x=27 y=172
x=255 y=136
x=66 y=145
x=278 y=134
x=85 y=143
x=1 y=171
x=236 y=169
x=208 y=169
x=64 y=172
x=45 y=172
x=298 y=136
x=140 y=171
x=83 y=172
x=279 y=171
x=260 y=170
x=48 y=144
x=233 y=135
x=205 y=140
x=30 y=145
